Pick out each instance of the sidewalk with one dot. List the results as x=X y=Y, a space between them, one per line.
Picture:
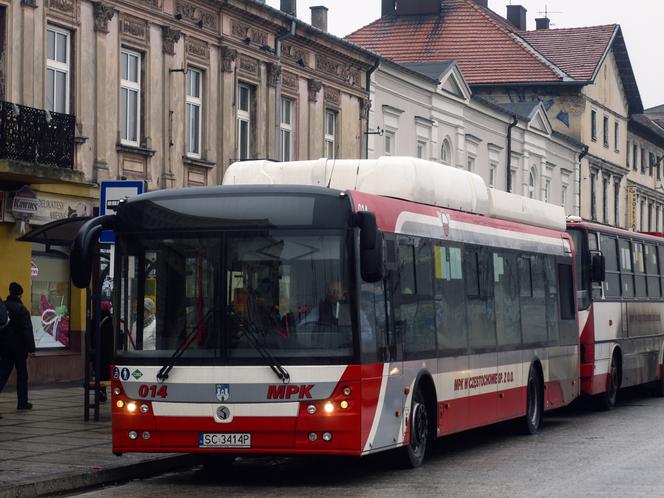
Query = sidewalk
x=50 y=448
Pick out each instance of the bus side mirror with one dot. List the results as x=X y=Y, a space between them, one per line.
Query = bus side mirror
x=83 y=249
x=598 y=267
x=371 y=248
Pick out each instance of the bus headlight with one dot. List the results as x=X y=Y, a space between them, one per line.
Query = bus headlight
x=329 y=407
x=133 y=435
x=327 y=436
x=311 y=409
x=344 y=404
x=119 y=403
x=131 y=407
x=144 y=408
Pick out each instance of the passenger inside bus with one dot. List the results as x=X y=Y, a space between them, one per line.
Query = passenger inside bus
x=149 y=327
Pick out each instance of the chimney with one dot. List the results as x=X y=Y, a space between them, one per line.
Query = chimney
x=483 y=3
x=319 y=17
x=542 y=23
x=418 y=7
x=289 y=7
x=516 y=14
x=387 y=7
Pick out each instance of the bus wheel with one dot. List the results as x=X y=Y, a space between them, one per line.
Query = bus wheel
x=420 y=432
x=607 y=400
x=534 y=403
x=659 y=387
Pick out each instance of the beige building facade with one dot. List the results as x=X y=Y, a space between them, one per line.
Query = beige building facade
x=170 y=92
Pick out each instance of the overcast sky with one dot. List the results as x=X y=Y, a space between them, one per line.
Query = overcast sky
x=641 y=22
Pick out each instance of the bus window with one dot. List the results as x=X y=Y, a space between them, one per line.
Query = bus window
x=506 y=293
x=479 y=299
x=660 y=254
x=551 y=289
x=582 y=278
x=450 y=300
x=533 y=306
x=416 y=300
x=626 y=275
x=639 y=270
x=374 y=339
x=653 y=271
x=610 y=251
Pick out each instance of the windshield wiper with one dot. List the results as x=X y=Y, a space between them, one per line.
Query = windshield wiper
x=251 y=332
x=162 y=375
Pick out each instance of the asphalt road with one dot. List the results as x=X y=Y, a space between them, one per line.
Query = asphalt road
x=578 y=453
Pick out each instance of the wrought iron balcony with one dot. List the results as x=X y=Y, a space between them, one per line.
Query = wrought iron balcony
x=36 y=136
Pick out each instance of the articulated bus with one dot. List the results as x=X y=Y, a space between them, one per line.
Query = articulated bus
x=335 y=307
x=620 y=277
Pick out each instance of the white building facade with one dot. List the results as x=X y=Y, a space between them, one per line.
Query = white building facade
x=428 y=111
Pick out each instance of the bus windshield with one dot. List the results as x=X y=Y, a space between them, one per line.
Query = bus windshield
x=220 y=294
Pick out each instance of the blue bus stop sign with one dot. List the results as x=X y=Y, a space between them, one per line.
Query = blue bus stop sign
x=112 y=193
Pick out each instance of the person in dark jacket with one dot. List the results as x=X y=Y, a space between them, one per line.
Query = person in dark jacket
x=16 y=343
x=4 y=316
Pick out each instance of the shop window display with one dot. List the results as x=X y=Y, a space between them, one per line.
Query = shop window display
x=50 y=301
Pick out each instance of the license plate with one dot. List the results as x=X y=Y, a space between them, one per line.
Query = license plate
x=224 y=440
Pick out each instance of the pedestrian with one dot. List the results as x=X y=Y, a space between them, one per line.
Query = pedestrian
x=4 y=316
x=17 y=342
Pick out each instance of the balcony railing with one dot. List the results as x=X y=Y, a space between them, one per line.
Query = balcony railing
x=36 y=136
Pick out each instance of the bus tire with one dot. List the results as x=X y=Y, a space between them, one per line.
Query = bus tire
x=607 y=400
x=532 y=422
x=659 y=387
x=420 y=431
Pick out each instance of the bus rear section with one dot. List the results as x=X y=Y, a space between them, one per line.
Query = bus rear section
x=621 y=309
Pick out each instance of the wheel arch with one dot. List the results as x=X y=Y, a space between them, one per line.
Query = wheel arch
x=616 y=352
x=425 y=382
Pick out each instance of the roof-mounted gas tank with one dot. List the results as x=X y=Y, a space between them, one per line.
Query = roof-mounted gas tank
x=404 y=178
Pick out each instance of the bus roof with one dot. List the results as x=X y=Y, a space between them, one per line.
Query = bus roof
x=405 y=178
x=598 y=227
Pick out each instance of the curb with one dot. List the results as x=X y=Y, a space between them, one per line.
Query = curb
x=74 y=482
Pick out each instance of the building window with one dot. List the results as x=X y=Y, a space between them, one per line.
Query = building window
x=492 y=175
x=244 y=122
x=389 y=143
x=287 y=129
x=644 y=157
x=651 y=162
x=422 y=149
x=563 y=197
x=593 y=125
x=130 y=97
x=616 y=203
x=642 y=213
x=605 y=131
x=616 y=136
x=57 y=69
x=471 y=164
x=605 y=199
x=194 y=112
x=635 y=158
x=650 y=217
x=446 y=152
x=547 y=190
x=532 y=183
x=593 y=195
x=330 y=134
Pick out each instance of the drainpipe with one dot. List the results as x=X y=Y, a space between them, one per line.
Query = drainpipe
x=514 y=122
x=582 y=154
x=277 y=91
x=368 y=90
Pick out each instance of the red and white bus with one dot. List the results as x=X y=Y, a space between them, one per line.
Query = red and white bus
x=323 y=307
x=621 y=309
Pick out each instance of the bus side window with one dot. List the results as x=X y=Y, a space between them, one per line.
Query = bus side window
x=533 y=306
x=416 y=301
x=479 y=299
x=660 y=254
x=551 y=289
x=568 y=331
x=506 y=293
x=653 y=272
x=373 y=325
x=610 y=251
x=639 y=270
x=626 y=275
x=450 y=300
